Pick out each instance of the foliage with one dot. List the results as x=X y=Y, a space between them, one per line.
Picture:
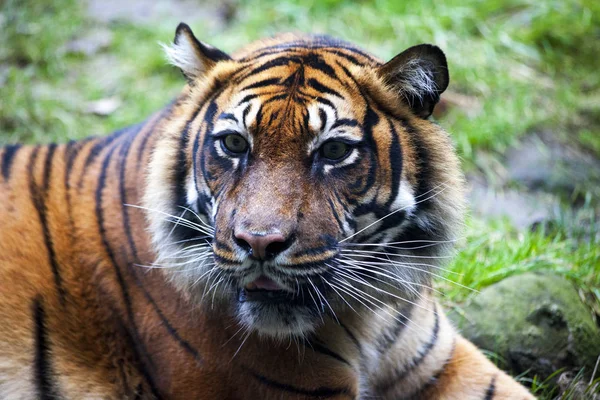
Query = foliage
x=524 y=64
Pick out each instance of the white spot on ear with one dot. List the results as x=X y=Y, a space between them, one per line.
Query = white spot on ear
x=184 y=56
x=416 y=79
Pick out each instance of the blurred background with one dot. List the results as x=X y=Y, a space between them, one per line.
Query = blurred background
x=523 y=108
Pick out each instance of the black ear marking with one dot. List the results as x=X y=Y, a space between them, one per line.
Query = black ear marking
x=193 y=57
x=206 y=50
x=420 y=75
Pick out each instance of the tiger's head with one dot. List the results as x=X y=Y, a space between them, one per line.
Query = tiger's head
x=301 y=177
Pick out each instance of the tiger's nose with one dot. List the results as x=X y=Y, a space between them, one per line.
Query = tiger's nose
x=262 y=246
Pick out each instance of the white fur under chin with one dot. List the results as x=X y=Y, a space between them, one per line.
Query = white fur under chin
x=269 y=322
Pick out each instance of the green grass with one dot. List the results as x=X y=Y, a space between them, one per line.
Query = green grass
x=526 y=65
x=521 y=59
x=529 y=63
x=579 y=386
x=493 y=251
x=46 y=88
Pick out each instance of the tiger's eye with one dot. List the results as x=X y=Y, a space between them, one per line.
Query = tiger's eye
x=335 y=150
x=235 y=144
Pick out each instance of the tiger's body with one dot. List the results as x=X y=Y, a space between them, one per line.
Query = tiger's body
x=82 y=317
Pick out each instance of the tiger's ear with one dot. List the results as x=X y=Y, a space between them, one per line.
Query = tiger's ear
x=420 y=75
x=190 y=55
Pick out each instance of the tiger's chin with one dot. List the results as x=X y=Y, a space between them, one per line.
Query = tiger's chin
x=277 y=314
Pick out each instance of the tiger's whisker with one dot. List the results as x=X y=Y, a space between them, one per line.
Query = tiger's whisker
x=208 y=281
x=363 y=282
x=402 y=315
x=393 y=244
x=397 y=210
x=379 y=271
x=339 y=295
x=212 y=305
x=363 y=294
x=396 y=262
x=404 y=283
x=393 y=254
x=317 y=305
x=243 y=341
x=232 y=336
x=198 y=217
x=182 y=221
x=323 y=298
x=196 y=259
x=412 y=266
x=167 y=267
x=210 y=271
x=411 y=286
x=193 y=240
x=354 y=295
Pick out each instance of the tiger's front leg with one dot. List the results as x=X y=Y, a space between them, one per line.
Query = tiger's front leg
x=415 y=353
x=470 y=375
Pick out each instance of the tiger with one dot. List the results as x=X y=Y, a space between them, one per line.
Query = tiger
x=272 y=233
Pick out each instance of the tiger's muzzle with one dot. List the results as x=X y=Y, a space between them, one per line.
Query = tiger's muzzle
x=262 y=246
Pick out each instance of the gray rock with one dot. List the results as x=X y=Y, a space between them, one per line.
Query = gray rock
x=534 y=322
x=521 y=208
x=542 y=162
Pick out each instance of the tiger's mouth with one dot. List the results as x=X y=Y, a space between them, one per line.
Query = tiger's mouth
x=263 y=283
x=273 y=309
x=264 y=289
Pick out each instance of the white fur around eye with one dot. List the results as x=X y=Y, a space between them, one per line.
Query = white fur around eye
x=351 y=158
x=324 y=130
x=241 y=124
x=252 y=113
x=221 y=153
x=314 y=119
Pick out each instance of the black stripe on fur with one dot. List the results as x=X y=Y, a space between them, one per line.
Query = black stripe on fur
x=491 y=390
x=320 y=392
x=321 y=348
x=39 y=196
x=42 y=362
x=185 y=345
x=402 y=374
x=8 y=155
x=139 y=347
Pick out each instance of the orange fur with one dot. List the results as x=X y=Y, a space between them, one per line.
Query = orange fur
x=81 y=317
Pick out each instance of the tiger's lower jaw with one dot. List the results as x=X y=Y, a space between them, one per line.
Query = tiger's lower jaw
x=277 y=315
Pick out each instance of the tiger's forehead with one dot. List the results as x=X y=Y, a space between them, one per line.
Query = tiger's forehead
x=280 y=116
x=307 y=94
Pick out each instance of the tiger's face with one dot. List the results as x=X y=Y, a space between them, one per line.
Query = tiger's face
x=303 y=180
x=288 y=168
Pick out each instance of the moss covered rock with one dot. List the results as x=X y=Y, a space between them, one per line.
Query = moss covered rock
x=533 y=322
